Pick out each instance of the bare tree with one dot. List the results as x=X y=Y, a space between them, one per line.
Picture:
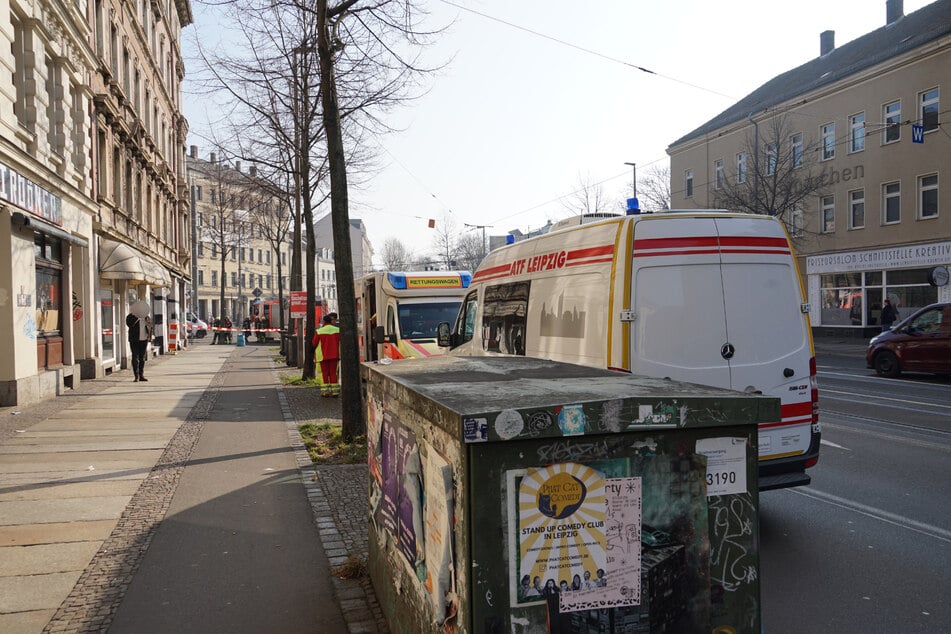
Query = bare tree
x=470 y=251
x=653 y=188
x=363 y=68
x=587 y=199
x=774 y=176
x=444 y=242
x=396 y=255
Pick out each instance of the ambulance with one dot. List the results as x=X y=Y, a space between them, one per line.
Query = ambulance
x=709 y=297
x=398 y=313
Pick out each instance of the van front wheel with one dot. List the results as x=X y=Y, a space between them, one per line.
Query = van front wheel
x=886 y=364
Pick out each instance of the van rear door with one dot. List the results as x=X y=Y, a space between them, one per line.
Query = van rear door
x=679 y=316
x=717 y=301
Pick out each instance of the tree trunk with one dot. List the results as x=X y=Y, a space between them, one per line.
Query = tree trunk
x=351 y=391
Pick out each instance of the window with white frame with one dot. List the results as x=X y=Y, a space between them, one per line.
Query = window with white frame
x=857 y=132
x=827 y=136
x=857 y=209
x=827 y=209
x=688 y=183
x=891 y=203
x=201 y=277
x=201 y=249
x=796 y=150
x=741 y=167
x=891 y=117
x=772 y=157
x=234 y=278
x=930 y=102
x=214 y=278
x=718 y=174
x=928 y=196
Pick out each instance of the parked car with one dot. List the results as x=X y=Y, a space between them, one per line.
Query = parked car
x=919 y=343
x=197 y=329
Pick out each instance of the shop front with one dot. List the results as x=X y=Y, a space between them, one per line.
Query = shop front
x=847 y=288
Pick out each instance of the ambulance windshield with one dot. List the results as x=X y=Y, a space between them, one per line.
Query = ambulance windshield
x=420 y=320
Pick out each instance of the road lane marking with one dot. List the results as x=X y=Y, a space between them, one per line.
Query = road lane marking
x=894 y=519
x=937 y=444
x=884 y=398
x=829 y=443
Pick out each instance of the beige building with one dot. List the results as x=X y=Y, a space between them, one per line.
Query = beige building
x=869 y=118
x=89 y=174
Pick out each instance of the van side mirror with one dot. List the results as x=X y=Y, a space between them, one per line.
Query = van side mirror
x=379 y=334
x=443 y=339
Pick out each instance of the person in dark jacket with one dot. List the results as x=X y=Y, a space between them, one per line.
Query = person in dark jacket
x=889 y=315
x=140 y=328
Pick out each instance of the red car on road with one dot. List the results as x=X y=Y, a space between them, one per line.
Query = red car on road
x=919 y=343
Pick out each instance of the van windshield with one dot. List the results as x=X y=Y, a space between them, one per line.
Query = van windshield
x=419 y=321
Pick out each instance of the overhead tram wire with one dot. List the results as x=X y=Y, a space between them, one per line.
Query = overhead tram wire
x=586 y=50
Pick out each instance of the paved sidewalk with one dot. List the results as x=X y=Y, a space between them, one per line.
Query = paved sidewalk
x=113 y=494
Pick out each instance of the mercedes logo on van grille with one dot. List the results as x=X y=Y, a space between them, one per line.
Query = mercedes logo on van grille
x=727 y=351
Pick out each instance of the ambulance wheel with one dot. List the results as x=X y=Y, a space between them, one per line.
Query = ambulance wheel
x=886 y=364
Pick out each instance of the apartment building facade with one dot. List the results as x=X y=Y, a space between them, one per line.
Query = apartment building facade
x=869 y=118
x=86 y=176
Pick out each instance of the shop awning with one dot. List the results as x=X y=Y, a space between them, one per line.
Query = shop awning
x=34 y=223
x=120 y=261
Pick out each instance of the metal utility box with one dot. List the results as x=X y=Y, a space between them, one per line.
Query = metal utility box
x=521 y=495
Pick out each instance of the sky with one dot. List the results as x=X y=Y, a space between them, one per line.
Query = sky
x=541 y=97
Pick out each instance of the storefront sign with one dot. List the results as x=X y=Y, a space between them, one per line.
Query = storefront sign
x=909 y=256
x=26 y=194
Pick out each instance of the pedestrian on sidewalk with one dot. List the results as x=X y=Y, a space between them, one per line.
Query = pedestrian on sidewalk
x=889 y=315
x=327 y=340
x=140 y=328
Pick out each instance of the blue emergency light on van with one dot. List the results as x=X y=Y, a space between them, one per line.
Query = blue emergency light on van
x=398 y=280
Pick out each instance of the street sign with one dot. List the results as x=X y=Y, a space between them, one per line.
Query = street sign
x=917 y=134
x=257 y=292
x=298 y=304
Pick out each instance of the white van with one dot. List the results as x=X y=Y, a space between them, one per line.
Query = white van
x=708 y=297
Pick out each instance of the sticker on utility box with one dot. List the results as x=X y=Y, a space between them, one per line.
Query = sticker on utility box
x=726 y=465
x=475 y=429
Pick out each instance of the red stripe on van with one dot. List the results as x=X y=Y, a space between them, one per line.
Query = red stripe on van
x=709 y=245
x=495 y=271
x=591 y=252
x=793 y=414
x=592 y=261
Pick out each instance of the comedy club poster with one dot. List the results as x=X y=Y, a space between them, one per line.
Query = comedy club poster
x=561 y=527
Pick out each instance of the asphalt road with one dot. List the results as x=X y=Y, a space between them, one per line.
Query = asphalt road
x=867 y=547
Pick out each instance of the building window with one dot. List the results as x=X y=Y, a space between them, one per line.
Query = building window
x=244 y=280
x=891 y=203
x=772 y=157
x=891 y=117
x=857 y=209
x=201 y=277
x=234 y=278
x=234 y=254
x=242 y=254
x=930 y=100
x=688 y=183
x=269 y=280
x=21 y=73
x=201 y=249
x=828 y=214
x=797 y=224
x=214 y=249
x=928 y=196
x=827 y=134
x=260 y=255
x=214 y=278
x=857 y=132
x=741 y=167
x=796 y=150
x=718 y=173
x=268 y=256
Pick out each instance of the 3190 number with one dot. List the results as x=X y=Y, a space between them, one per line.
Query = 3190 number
x=721 y=477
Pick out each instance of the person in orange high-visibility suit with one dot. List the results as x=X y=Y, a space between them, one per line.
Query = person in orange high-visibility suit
x=327 y=342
